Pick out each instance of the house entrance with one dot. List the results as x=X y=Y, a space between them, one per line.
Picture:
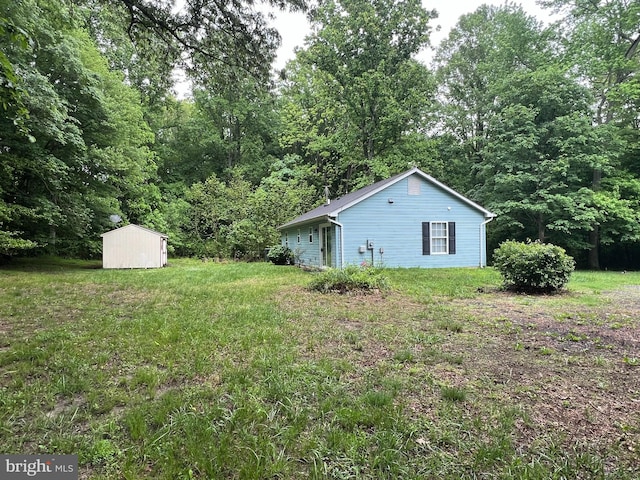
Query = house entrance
x=326 y=246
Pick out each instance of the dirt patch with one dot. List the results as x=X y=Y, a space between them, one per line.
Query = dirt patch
x=575 y=368
x=572 y=369
x=66 y=406
x=612 y=326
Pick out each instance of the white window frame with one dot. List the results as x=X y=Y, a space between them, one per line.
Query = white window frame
x=310 y=234
x=298 y=235
x=434 y=248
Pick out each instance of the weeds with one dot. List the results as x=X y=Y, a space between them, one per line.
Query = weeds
x=404 y=356
x=350 y=279
x=206 y=370
x=454 y=394
x=449 y=324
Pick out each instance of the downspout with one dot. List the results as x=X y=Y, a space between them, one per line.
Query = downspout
x=341 y=240
x=482 y=227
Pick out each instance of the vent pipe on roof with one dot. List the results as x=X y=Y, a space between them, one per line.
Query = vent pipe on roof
x=326 y=195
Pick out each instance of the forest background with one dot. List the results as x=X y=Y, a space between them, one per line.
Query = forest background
x=538 y=123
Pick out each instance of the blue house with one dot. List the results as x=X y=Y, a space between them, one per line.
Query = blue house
x=408 y=220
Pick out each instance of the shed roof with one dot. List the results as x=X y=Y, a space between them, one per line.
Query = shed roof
x=133 y=225
x=336 y=206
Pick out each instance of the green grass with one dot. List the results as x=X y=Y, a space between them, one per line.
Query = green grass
x=456 y=283
x=454 y=394
x=232 y=370
x=596 y=282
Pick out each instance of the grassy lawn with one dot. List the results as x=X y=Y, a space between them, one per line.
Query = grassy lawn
x=208 y=370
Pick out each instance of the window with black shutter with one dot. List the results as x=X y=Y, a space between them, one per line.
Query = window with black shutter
x=438 y=238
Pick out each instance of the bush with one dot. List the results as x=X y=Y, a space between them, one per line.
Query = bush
x=533 y=267
x=349 y=279
x=280 y=255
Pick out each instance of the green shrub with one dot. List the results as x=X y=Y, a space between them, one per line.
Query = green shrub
x=280 y=255
x=533 y=267
x=349 y=279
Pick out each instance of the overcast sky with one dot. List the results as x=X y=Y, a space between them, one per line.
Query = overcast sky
x=294 y=27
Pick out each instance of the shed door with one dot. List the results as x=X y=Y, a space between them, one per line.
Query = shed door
x=163 y=253
x=326 y=246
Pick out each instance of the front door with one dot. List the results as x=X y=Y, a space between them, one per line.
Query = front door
x=326 y=246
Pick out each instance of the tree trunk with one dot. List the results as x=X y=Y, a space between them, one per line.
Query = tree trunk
x=52 y=240
x=235 y=142
x=594 y=252
x=541 y=228
x=593 y=260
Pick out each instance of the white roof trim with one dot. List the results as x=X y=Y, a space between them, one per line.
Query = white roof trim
x=133 y=225
x=427 y=177
x=333 y=210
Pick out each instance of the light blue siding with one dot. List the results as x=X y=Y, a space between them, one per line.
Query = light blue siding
x=391 y=220
x=306 y=252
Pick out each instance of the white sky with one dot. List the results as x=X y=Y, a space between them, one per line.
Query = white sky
x=294 y=27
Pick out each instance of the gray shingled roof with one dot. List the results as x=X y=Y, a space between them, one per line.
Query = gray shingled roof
x=336 y=206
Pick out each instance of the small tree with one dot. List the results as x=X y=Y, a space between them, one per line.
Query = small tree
x=533 y=267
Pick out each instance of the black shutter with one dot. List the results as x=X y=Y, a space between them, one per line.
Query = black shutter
x=426 y=240
x=452 y=238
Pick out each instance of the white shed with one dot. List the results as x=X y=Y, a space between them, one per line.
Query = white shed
x=133 y=246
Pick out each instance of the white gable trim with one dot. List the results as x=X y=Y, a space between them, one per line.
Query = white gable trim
x=137 y=227
x=429 y=178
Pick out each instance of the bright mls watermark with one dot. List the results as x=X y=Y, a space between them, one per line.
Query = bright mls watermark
x=49 y=467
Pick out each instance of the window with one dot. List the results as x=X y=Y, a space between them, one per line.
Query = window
x=298 y=235
x=286 y=239
x=310 y=234
x=438 y=238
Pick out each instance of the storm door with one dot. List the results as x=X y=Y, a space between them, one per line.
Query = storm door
x=326 y=246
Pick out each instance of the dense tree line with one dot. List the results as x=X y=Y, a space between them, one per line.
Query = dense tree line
x=539 y=124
